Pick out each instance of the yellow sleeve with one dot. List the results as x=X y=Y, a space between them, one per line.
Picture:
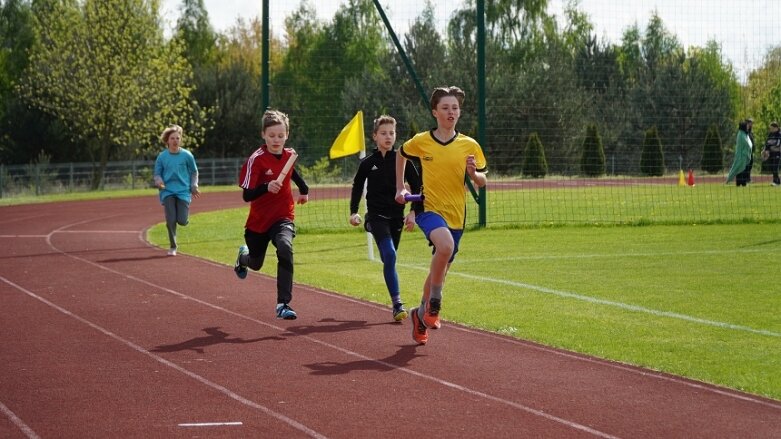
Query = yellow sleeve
x=480 y=161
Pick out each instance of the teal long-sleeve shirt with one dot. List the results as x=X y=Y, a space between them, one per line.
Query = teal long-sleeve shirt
x=178 y=172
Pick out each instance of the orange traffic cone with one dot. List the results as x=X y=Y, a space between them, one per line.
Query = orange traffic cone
x=681 y=179
x=691 y=178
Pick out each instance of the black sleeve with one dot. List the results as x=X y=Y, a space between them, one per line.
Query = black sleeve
x=303 y=189
x=254 y=193
x=415 y=181
x=357 y=191
x=412 y=176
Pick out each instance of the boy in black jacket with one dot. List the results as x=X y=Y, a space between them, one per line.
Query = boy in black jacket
x=384 y=217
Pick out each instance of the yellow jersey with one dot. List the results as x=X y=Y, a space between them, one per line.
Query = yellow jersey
x=443 y=168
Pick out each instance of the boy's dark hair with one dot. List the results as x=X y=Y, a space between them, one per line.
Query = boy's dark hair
x=274 y=117
x=441 y=92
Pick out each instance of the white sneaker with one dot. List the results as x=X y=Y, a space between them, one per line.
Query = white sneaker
x=172 y=252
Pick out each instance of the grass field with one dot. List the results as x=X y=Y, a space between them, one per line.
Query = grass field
x=700 y=301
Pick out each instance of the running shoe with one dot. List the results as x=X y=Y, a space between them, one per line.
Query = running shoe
x=419 y=331
x=431 y=316
x=399 y=313
x=172 y=252
x=241 y=270
x=285 y=312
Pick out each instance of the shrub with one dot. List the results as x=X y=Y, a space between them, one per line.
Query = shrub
x=534 y=163
x=652 y=157
x=712 y=154
x=592 y=162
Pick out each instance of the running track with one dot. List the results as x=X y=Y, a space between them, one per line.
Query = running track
x=102 y=335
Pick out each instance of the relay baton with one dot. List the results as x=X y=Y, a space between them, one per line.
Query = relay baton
x=288 y=166
x=414 y=197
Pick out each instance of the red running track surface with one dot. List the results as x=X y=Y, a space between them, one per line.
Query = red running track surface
x=103 y=335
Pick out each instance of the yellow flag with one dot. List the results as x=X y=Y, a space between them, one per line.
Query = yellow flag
x=350 y=140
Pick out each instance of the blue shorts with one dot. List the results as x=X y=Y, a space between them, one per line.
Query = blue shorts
x=430 y=221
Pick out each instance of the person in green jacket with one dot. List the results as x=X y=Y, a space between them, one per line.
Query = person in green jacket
x=743 y=151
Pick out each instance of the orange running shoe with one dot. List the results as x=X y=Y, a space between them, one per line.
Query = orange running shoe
x=431 y=316
x=419 y=331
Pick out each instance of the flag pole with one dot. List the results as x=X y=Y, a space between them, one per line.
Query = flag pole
x=369 y=240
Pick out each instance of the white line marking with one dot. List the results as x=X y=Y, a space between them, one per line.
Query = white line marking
x=210 y=424
x=23 y=236
x=99 y=231
x=613 y=255
x=686 y=382
x=573 y=355
x=18 y=422
x=614 y=304
x=355 y=354
x=279 y=416
x=348 y=352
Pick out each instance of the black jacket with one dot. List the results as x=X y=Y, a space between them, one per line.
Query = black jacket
x=381 y=187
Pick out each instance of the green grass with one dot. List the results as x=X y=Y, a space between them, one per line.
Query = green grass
x=696 y=301
x=94 y=195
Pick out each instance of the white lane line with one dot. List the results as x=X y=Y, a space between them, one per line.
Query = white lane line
x=18 y=422
x=98 y=231
x=210 y=424
x=348 y=352
x=572 y=355
x=23 y=236
x=71 y=231
x=279 y=416
x=621 y=305
x=614 y=255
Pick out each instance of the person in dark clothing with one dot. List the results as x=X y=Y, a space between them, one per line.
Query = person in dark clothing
x=744 y=177
x=742 y=156
x=772 y=151
x=384 y=216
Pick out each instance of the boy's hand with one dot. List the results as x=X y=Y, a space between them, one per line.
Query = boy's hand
x=274 y=186
x=355 y=219
x=400 y=196
x=302 y=199
x=471 y=166
x=409 y=221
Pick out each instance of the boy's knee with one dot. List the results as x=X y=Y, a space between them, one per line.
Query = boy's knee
x=255 y=263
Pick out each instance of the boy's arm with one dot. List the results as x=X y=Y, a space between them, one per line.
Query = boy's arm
x=357 y=190
x=254 y=193
x=303 y=189
x=478 y=178
x=158 y=174
x=401 y=164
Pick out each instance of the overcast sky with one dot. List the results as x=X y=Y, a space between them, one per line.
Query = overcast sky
x=746 y=29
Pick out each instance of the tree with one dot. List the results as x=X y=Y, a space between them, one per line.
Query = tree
x=712 y=153
x=320 y=61
x=652 y=157
x=592 y=162
x=534 y=163
x=24 y=132
x=103 y=69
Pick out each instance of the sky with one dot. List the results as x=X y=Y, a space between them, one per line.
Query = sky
x=746 y=29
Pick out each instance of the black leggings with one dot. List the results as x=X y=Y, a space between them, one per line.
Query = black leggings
x=280 y=235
